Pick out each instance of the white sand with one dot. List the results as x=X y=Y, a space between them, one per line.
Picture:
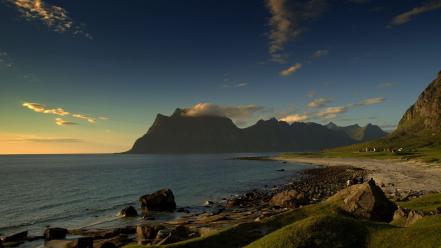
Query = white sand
x=402 y=176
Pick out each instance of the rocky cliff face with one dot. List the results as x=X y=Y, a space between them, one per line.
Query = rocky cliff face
x=425 y=114
x=180 y=133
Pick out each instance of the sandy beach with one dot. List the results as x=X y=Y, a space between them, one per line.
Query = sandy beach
x=394 y=175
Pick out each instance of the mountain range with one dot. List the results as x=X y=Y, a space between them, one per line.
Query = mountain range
x=180 y=133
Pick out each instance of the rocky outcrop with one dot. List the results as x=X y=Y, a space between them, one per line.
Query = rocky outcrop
x=55 y=233
x=180 y=133
x=129 y=211
x=162 y=200
x=366 y=201
x=289 y=199
x=16 y=238
x=426 y=112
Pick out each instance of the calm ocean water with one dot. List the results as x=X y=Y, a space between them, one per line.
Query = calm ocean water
x=89 y=190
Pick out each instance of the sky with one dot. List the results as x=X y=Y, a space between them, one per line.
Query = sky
x=90 y=76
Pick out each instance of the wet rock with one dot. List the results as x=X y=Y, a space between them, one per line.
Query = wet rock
x=183 y=210
x=162 y=200
x=177 y=234
x=367 y=201
x=129 y=211
x=84 y=242
x=234 y=202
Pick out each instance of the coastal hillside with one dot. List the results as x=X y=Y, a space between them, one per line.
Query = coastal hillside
x=356 y=132
x=181 y=133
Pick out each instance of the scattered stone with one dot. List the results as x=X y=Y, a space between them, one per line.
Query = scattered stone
x=129 y=211
x=208 y=203
x=162 y=200
x=400 y=215
x=367 y=201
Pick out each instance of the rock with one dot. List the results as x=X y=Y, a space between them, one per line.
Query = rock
x=367 y=201
x=180 y=233
x=400 y=215
x=208 y=203
x=234 y=202
x=18 y=237
x=288 y=199
x=183 y=210
x=55 y=233
x=85 y=242
x=129 y=211
x=162 y=200
x=413 y=217
x=144 y=232
x=207 y=231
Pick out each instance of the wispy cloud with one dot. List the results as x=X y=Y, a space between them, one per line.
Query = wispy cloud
x=54 y=17
x=39 y=108
x=295 y=118
x=237 y=85
x=318 y=103
x=410 y=14
x=47 y=140
x=319 y=53
x=290 y=70
x=239 y=114
x=5 y=61
x=85 y=117
x=371 y=101
x=63 y=122
x=287 y=22
x=331 y=112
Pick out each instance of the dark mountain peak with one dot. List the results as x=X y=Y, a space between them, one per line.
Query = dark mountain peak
x=425 y=114
x=331 y=125
x=178 y=112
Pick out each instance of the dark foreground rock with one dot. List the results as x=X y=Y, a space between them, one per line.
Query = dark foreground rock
x=367 y=201
x=162 y=200
x=129 y=211
x=18 y=237
x=55 y=233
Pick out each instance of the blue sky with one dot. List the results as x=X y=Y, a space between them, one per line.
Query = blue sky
x=114 y=66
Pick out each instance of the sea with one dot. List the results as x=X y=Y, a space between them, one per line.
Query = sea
x=77 y=191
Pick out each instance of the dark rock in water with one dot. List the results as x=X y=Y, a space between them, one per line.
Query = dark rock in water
x=281 y=170
x=18 y=237
x=162 y=200
x=145 y=232
x=234 y=202
x=288 y=199
x=129 y=211
x=367 y=201
x=55 y=233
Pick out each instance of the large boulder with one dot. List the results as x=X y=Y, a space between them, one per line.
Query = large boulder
x=55 y=233
x=366 y=201
x=162 y=200
x=288 y=199
x=147 y=232
x=129 y=211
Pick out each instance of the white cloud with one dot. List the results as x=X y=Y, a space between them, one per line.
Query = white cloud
x=295 y=118
x=331 y=112
x=4 y=60
x=238 y=85
x=291 y=70
x=239 y=114
x=53 y=16
x=408 y=15
x=287 y=22
x=63 y=122
x=39 y=108
x=318 y=103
